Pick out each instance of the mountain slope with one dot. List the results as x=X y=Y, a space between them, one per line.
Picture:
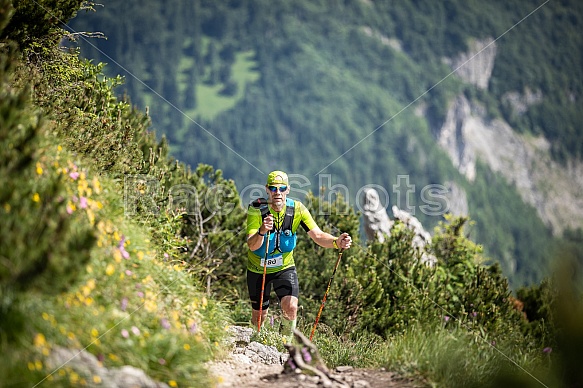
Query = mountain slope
x=351 y=94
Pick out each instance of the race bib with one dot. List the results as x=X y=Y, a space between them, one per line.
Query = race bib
x=273 y=261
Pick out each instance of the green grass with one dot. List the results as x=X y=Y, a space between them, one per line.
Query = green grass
x=435 y=355
x=211 y=103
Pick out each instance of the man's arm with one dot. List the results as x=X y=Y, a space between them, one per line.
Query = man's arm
x=327 y=240
x=255 y=240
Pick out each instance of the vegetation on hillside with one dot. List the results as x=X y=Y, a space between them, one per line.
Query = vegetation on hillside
x=111 y=246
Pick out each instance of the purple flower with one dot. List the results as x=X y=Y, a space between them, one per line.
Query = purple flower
x=140 y=294
x=306 y=355
x=124 y=333
x=446 y=318
x=122 y=249
x=74 y=175
x=83 y=202
x=193 y=329
x=291 y=363
x=493 y=343
x=271 y=320
x=547 y=350
x=135 y=330
x=164 y=323
x=129 y=273
x=162 y=361
x=474 y=314
x=124 y=304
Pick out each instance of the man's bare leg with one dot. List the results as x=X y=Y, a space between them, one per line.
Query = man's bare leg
x=255 y=317
x=289 y=307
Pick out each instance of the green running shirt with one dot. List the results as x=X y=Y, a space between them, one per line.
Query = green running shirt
x=276 y=261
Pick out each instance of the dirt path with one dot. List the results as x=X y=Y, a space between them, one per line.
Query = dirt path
x=255 y=365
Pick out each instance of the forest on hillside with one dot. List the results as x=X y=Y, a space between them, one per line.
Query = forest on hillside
x=332 y=90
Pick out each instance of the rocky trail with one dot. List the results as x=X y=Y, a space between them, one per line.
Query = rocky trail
x=251 y=364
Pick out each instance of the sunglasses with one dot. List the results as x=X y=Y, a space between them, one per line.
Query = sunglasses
x=274 y=189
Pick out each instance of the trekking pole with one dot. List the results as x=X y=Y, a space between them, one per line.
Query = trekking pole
x=263 y=282
x=326 y=294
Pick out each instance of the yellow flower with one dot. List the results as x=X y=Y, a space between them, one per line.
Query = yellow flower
x=173 y=383
x=113 y=357
x=96 y=379
x=91 y=283
x=31 y=366
x=7 y=207
x=74 y=378
x=39 y=169
x=96 y=185
x=38 y=365
x=117 y=256
x=45 y=316
x=186 y=347
x=91 y=217
x=150 y=306
x=59 y=148
x=110 y=269
x=85 y=290
x=36 y=197
x=40 y=340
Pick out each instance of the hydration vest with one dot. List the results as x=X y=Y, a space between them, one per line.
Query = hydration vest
x=281 y=240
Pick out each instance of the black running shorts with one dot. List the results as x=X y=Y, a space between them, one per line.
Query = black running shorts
x=284 y=283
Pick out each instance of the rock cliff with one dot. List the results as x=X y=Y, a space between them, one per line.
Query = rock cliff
x=468 y=135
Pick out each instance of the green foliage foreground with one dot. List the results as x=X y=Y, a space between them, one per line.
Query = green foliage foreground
x=153 y=290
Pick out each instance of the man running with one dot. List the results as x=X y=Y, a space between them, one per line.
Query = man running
x=281 y=217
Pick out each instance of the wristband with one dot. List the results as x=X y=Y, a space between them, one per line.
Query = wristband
x=334 y=244
x=259 y=233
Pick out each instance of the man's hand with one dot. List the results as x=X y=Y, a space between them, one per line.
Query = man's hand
x=344 y=241
x=267 y=224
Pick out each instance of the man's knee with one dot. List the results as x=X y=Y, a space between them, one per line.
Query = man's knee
x=289 y=306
